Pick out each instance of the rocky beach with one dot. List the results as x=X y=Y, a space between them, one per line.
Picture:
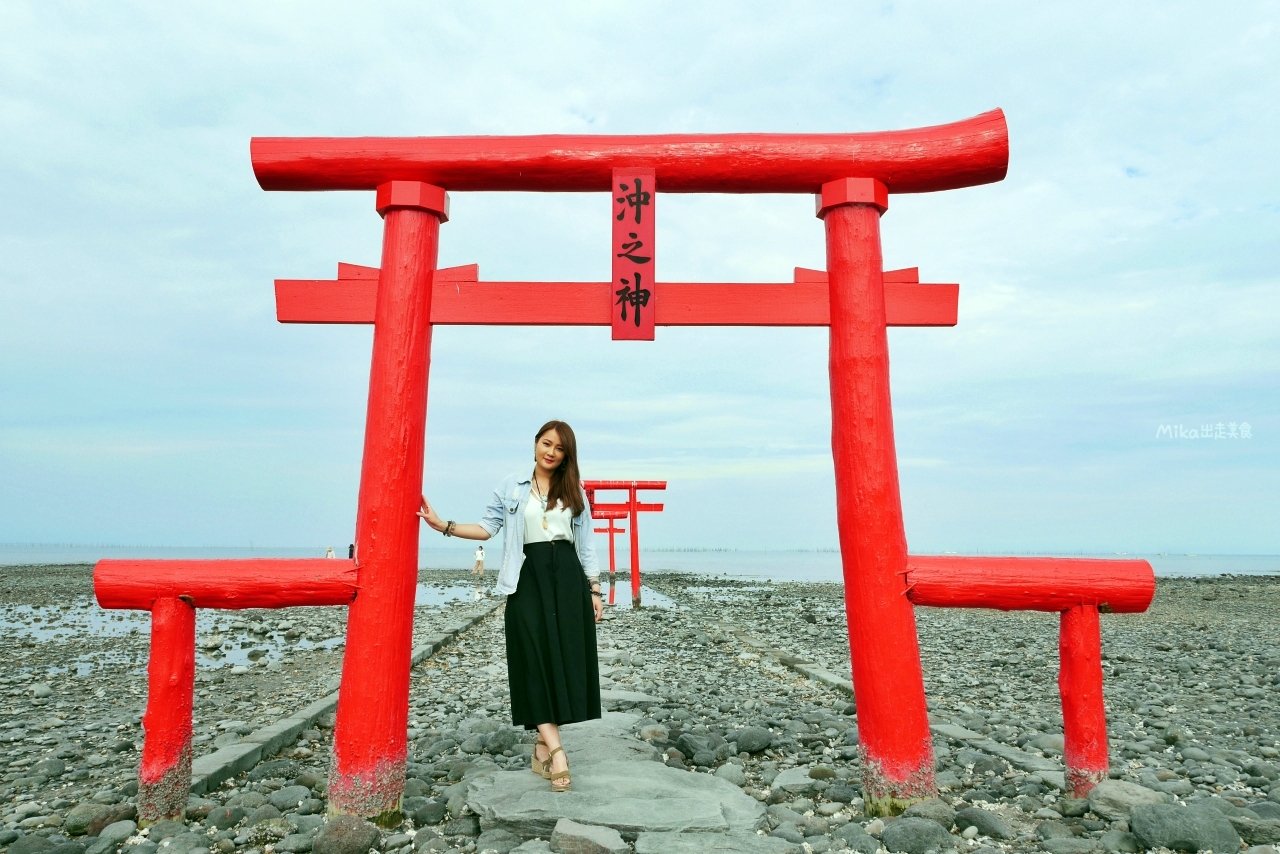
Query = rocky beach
x=729 y=727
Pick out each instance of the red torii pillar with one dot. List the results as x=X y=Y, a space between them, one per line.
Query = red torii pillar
x=611 y=530
x=632 y=508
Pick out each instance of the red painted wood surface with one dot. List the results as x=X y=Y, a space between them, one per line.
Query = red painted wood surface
x=1084 y=714
x=1030 y=583
x=632 y=295
x=369 y=744
x=458 y=300
x=893 y=724
x=164 y=775
x=254 y=583
x=943 y=157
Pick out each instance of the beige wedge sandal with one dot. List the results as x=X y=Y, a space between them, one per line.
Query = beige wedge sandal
x=541 y=767
x=560 y=781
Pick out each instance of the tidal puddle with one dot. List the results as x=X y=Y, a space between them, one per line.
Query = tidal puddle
x=649 y=598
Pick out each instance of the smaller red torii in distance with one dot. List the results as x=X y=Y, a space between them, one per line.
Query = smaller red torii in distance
x=632 y=508
x=611 y=529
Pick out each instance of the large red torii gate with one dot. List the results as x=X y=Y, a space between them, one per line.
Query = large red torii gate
x=852 y=176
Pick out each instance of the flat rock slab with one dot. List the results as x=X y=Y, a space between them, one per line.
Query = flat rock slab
x=600 y=740
x=711 y=843
x=617 y=784
x=628 y=795
x=617 y=697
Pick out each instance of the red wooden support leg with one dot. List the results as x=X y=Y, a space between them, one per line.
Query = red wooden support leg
x=164 y=776
x=1084 y=716
x=893 y=724
x=635 y=551
x=369 y=747
x=613 y=565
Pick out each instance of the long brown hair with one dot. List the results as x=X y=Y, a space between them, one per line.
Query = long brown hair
x=566 y=485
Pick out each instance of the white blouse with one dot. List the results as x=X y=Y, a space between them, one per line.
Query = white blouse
x=543 y=526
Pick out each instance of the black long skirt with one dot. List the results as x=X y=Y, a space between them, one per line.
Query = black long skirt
x=551 y=640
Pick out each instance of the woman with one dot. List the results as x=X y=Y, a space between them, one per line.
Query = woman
x=552 y=583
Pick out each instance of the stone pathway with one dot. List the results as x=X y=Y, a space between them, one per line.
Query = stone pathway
x=620 y=782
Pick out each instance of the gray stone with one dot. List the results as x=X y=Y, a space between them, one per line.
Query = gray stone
x=266 y=812
x=502 y=740
x=282 y=769
x=788 y=831
x=1255 y=832
x=796 y=781
x=166 y=828
x=988 y=823
x=432 y=812
x=1072 y=845
x=225 y=817
x=857 y=838
x=423 y=838
x=1264 y=809
x=248 y=800
x=754 y=739
x=198 y=808
x=51 y=767
x=474 y=743
x=1051 y=743
x=81 y=816
x=289 y=797
x=570 y=837
x=466 y=825
x=7 y=836
x=69 y=848
x=1054 y=830
x=270 y=831
x=499 y=840
x=118 y=831
x=949 y=780
x=1115 y=799
x=345 y=834
x=294 y=843
x=95 y=846
x=1196 y=828
x=915 y=836
x=733 y=773
x=933 y=809
x=30 y=844
x=840 y=793
x=710 y=843
x=533 y=846
x=309 y=823
x=186 y=843
x=1119 y=842
x=1262 y=849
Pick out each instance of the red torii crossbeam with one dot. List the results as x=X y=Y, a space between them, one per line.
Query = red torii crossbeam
x=631 y=507
x=458 y=298
x=851 y=176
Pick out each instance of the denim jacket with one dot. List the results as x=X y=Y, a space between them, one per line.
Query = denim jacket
x=506 y=512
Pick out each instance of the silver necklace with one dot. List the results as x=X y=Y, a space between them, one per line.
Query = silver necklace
x=541 y=498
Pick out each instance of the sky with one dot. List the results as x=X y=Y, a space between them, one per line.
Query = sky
x=1121 y=279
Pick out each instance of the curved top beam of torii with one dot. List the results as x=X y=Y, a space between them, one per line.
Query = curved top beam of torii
x=921 y=160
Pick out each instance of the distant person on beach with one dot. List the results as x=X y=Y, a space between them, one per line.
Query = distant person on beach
x=552 y=584
x=478 y=569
